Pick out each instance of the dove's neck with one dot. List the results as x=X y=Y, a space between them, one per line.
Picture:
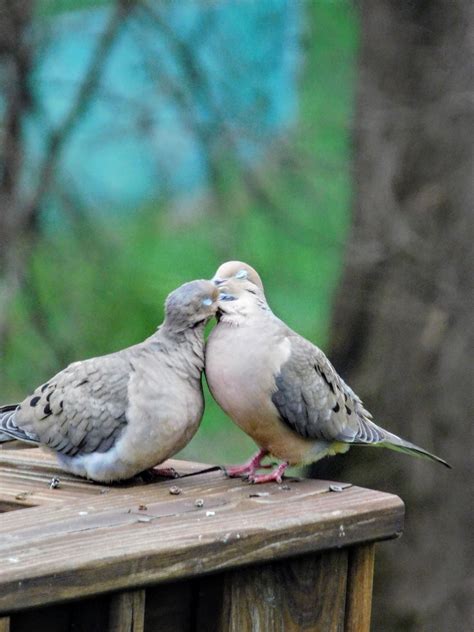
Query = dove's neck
x=186 y=347
x=246 y=315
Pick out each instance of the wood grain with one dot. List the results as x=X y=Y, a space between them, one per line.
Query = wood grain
x=127 y=612
x=359 y=588
x=4 y=624
x=85 y=539
x=285 y=596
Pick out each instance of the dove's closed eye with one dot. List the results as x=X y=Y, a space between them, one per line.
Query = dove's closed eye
x=226 y=297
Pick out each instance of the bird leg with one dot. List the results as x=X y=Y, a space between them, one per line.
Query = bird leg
x=248 y=468
x=276 y=475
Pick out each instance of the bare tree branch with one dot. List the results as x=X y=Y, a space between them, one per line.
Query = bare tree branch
x=19 y=214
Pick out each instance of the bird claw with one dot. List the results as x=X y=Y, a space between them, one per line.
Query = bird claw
x=275 y=476
x=236 y=471
x=248 y=469
x=264 y=478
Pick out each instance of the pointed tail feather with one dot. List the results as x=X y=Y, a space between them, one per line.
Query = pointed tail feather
x=371 y=434
x=393 y=442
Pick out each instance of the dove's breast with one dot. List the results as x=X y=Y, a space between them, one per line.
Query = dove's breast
x=165 y=408
x=241 y=371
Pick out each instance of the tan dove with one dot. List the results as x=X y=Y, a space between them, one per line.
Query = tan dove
x=112 y=417
x=279 y=387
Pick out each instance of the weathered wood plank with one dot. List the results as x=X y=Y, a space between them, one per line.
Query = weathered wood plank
x=286 y=596
x=140 y=535
x=25 y=477
x=171 y=607
x=127 y=612
x=359 y=588
x=4 y=624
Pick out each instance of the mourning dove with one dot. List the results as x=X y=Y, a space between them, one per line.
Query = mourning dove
x=279 y=387
x=112 y=417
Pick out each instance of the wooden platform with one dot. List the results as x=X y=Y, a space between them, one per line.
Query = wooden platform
x=81 y=540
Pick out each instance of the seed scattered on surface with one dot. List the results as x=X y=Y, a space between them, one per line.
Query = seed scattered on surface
x=144 y=519
x=23 y=495
x=199 y=502
x=142 y=507
x=259 y=494
x=210 y=513
x=54 y=483
x=336 y=488
x=175 y=491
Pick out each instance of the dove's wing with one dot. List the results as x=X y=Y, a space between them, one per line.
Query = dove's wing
x=316 y=403
x=80 y=410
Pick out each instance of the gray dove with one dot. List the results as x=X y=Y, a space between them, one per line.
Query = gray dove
x=112 y=417
x=279 y=387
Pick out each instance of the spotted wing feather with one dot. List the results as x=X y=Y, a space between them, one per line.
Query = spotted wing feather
x=316 y=403
x=80 y=410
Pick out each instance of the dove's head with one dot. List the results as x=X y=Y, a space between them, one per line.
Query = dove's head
x=191 y=305
x=239 y=300
x=239 y=271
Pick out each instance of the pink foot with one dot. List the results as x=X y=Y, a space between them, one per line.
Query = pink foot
x=248 y=468
x=276 y=475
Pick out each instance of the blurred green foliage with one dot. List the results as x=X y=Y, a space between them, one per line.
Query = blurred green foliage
x=54 y=7
x=96 y=285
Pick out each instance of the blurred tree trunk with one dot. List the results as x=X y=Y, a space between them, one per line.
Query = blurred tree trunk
x=403 y=326
x=15 y=226
x=20 y=205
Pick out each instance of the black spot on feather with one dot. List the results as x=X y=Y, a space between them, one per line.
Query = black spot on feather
x=348 y=410
x=44 y=387
x=34 y=401
x=324 y=376
x=47 y=410
x=336 y=408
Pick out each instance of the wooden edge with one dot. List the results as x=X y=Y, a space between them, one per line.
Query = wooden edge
x=359 y=588
x=127 y=612
x=41 y=459
x=147 y=567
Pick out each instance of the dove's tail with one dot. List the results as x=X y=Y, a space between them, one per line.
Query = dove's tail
x=8 y=429
x=393 y=442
